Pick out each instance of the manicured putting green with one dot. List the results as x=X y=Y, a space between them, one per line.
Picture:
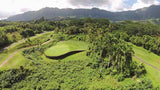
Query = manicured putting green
x=64 y=47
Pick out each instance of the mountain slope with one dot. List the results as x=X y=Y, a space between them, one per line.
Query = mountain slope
x=55 y=13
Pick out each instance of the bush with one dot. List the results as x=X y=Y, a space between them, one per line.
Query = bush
x=10 y=77
x=144 y=84
x=120 y=77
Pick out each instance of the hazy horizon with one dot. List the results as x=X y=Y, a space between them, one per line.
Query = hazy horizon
x=13 y=7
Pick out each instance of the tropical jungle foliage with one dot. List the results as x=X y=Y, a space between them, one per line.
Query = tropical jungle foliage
x=109 y=55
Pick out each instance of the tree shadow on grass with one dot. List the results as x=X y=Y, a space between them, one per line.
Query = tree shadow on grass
x=64 y=55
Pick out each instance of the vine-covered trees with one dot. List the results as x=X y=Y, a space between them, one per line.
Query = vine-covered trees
x=139 y=29
x=148 y=42
x=10 y=77
x=109 y=52
x=14 y=31
x=108 y=48
x=3 y=39
x=140 y=34
x=27 y=33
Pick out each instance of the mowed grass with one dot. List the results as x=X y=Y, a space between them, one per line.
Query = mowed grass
x=15 y=62
x=64 y=47
x=71 y=45
x=152 y=59
x=4 y=55
x=148 y=56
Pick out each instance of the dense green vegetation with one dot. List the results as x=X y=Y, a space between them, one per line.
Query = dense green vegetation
x=152 y=59
x=154 y=21
x=106 y=63
x=15 y=31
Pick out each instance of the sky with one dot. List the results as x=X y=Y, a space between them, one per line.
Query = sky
x=13 y=7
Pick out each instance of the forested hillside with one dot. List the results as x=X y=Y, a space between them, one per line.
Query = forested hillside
x=14 y=31
x=79 y=54
x=151 y=12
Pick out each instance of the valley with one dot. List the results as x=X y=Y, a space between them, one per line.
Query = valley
x=79 y=54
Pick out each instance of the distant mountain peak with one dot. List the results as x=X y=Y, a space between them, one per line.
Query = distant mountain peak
x=52 y=14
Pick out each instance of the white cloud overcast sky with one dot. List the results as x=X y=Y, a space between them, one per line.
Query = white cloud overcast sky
x=12 y=7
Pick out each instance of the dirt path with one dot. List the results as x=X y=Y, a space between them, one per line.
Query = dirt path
x=147 y=63
x=20 y=50
x=13 y=44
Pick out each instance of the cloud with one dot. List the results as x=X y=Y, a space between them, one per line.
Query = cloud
x=12 y=7
x=4 y=14
x=144 y=3
x=148 y=1
x=88 y=2
x=24 y=9
x=111 y=5
x=117 y=5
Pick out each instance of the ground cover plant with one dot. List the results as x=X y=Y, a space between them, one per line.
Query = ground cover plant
x=116 y=55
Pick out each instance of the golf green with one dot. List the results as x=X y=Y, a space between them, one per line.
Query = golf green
x=64 y=47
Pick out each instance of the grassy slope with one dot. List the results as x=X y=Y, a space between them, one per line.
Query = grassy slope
x=149 y=57
x=19 y=59
x=152 y=59
x=77 y=56
x=66 y=46
x=14 y=61
x=108 y=81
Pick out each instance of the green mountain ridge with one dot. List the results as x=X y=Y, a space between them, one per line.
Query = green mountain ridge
x=57 y=14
